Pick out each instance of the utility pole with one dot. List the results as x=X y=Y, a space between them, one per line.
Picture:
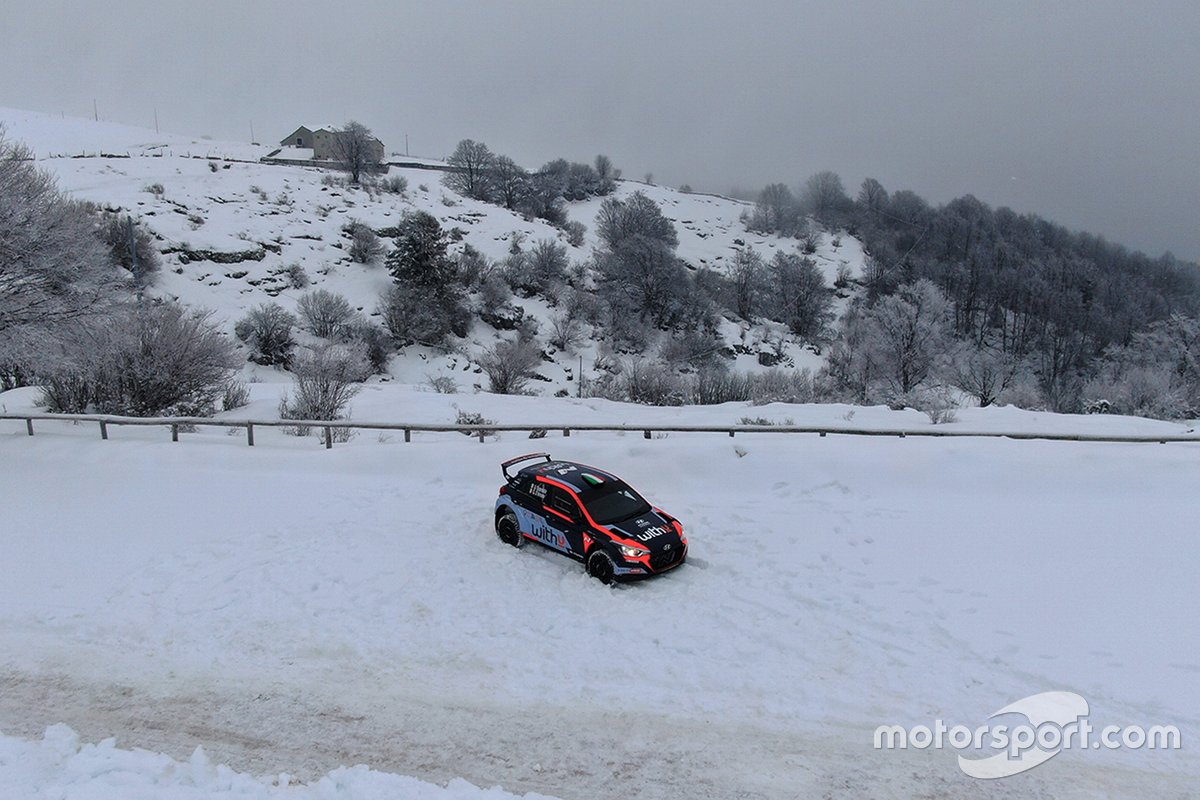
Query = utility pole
x=156 y=120
x=406 y=145
x=579 y=388
x=251 y=131
x=95 y=111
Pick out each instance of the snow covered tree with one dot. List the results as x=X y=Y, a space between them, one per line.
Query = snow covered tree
x=887 y=351
x=267 y=331
x=53 y=267
x=426 y=304
x=125 y=239
x=325 y=314
x=146 y=360
x=365 y=246
x=355 y=148
x=326 y=379
x=419 y=256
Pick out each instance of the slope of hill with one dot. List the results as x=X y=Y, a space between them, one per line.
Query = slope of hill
x=229 y=226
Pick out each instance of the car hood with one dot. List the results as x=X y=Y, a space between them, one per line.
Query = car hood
x=650 y=530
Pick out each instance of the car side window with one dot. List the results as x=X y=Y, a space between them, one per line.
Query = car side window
x=560 y=501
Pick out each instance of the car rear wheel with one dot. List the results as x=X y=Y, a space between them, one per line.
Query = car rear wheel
x=601 y=567
x=509 y=530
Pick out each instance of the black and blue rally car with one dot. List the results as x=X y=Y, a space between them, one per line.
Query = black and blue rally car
x=590 y=515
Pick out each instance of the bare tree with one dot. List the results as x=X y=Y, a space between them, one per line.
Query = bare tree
x=984 y=371
x=510 y=366
x=872 y=196
x=824 y=196
x=473 y=164
x=326 y=380
x=324 y=313
x=510 y=182
x=747 y=276
x=776 y=209
x=357 y=149
x=800 y=296
x=53 y=267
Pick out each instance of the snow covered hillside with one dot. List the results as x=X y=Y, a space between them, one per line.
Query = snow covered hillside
x=292 y=609
x=216 y=200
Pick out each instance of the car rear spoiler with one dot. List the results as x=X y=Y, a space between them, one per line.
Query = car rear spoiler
x=528 y=456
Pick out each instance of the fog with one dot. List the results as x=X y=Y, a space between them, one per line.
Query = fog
x=1085 y=112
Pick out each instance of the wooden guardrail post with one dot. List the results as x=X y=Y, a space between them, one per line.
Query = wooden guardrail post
x=481 y=435
x=328 y=438
x=567 y=432
x=645 y=434
x=408 y=434
x=174 y=431
x=29 y=426
x=103 y=430
x=250 y=434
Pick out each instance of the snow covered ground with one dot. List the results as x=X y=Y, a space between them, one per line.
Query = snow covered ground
x=301 y=611
x=217 y=198
x=292 y=609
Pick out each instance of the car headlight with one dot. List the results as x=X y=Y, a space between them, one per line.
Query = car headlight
x=633 y=552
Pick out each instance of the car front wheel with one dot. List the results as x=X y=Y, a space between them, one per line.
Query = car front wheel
x=509 y=530
x=601 y=567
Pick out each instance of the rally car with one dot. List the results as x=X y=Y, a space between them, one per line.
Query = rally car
x=590 y=515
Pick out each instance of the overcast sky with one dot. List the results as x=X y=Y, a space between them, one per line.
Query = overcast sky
x=1085 y=112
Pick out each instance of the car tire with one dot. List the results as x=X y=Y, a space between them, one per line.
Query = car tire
x=601 y=567
x=509 y=530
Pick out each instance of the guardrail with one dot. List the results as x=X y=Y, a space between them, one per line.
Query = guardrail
x=482 y=430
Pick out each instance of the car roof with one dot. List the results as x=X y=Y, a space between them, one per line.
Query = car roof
x=578 y=476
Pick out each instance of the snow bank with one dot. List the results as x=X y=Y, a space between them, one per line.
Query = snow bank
x=59 y=767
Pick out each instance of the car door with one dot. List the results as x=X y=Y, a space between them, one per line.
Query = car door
x=564 y=516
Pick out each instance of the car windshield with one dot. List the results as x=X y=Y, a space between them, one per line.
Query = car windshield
x=613 y=502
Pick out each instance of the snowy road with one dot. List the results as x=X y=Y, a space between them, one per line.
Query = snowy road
x=293 y=610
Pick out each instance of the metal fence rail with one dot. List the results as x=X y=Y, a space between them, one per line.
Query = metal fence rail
x=175 y=424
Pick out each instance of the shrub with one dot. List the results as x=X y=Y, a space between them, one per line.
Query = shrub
x=267 y=330
x=442 y=384
x=712 y=386
x=411 y=318
x=373 y=339
x=475 y=418
x=296 y=276
x=145 y=361
x=237 y=395
x=510 y=366
x=473 y=266
x=393 y=184
x=115 y=233
x=575 y=232
x=365 y=246
x=566 y=332
x=785 y=386
x=649 y=383
x=325 y=314
x=690 y=348
x=326 y=379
